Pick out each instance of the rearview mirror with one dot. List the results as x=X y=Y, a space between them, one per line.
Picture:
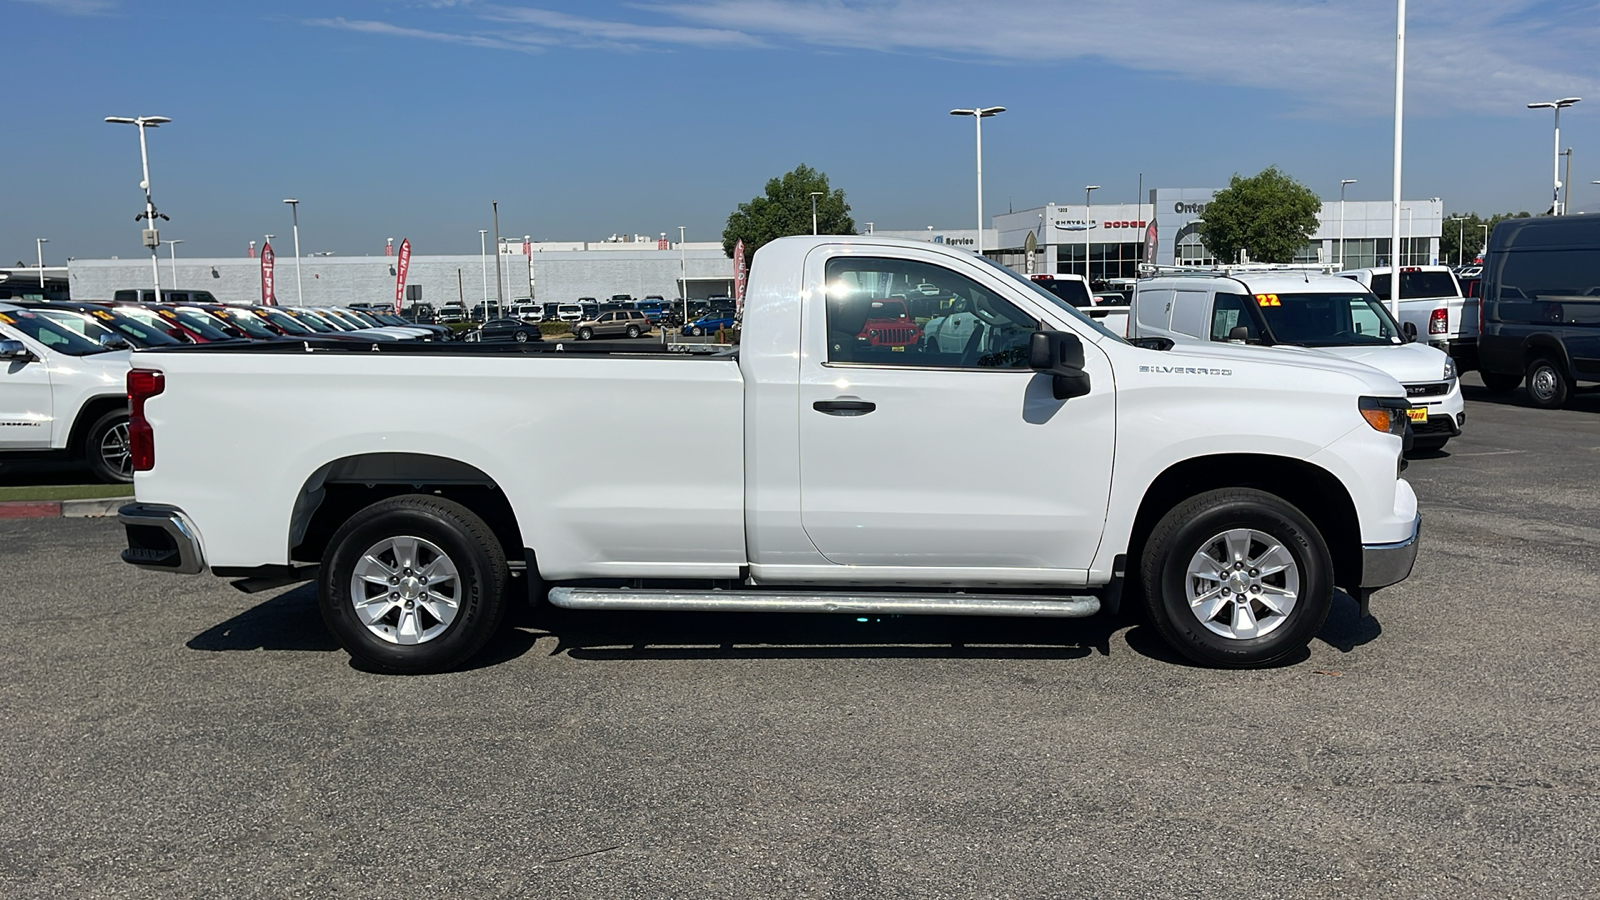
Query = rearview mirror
x=112 y=341
x=1059 y=354
x=1240 y=333
x=14 y=351
x=1410 y=331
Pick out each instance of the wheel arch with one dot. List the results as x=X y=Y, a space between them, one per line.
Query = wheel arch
x=1310 y=488
x=341 y=488
x=1546 y=344
x=88 y=414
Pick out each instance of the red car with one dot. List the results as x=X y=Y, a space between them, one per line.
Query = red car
x=890 y=325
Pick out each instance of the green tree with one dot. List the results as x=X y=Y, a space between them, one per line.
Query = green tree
x=1270 y=215
x=785 y=209
x=1468 y=235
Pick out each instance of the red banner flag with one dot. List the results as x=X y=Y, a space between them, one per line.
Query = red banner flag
x=268 y=298
x=401 y=265
x=738 y=275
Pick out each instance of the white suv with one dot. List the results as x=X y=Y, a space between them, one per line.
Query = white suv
x=62 y=395
x=1303 y=313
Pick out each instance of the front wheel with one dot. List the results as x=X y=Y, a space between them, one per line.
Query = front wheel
x=1237 y=578
x=1548 y=385
x=414 y=584
x=106 y=448
x=585 y=334
x=1499 y=382
x=696 y=332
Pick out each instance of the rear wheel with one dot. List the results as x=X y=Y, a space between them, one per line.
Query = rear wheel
x=1237 y=578
x=413 y=584
x=1499 y=382
x=1548 y=385
x=522 y=337
x=106 y=448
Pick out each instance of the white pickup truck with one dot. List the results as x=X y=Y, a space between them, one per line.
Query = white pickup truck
x=1021 y=473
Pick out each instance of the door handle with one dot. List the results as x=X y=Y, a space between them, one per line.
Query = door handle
x=844 y=407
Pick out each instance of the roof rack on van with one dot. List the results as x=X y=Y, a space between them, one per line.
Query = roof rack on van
x=1148 y=270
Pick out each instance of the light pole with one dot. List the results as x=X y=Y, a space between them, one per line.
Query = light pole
x=978 y=114
x=152 y=237
x=1343 y=183
x=483 y=259
x=683 y=274
x=1399 y=133
x=814 y=196
x=299 y=295
x=172 y=246
x=1566 y=182
x=499 y=280
x=1086 y=191
x=1558 y=106
x=38 y=244
x=1461 y=239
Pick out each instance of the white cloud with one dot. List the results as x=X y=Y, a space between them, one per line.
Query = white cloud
x=387 y=28
x=618 y=34
x=76 y=7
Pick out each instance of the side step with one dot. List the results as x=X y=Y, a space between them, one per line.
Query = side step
x=1024 y=605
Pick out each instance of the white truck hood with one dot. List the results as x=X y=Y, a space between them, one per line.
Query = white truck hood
x=1376 y=381
x=1406 y=363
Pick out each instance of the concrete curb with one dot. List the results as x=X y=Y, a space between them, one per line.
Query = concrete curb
x=55 y=509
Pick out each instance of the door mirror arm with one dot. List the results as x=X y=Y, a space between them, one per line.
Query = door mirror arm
x=1060 y=355
x=15 y=351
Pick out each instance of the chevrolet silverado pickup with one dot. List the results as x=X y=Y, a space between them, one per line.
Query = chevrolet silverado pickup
x=1023 y=470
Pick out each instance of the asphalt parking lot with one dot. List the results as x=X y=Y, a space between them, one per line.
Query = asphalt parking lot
x=170 y=737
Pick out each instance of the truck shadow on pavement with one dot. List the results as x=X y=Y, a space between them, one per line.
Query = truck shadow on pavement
x=290 y=621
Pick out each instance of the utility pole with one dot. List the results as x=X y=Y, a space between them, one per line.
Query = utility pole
x=499 y=281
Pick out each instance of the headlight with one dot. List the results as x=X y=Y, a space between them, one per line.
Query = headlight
x=1449 y=369
x=1386 y=414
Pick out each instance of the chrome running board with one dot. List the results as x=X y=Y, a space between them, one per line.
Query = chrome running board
x=1024 y=605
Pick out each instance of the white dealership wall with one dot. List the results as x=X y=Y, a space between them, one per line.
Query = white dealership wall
x=562 y=274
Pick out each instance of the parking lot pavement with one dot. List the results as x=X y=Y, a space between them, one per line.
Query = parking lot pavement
x=169 y=737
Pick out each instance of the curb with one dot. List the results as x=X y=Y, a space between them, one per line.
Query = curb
x=56 y=509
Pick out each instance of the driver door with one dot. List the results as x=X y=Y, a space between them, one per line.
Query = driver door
x=25 y=398
x=932 y=456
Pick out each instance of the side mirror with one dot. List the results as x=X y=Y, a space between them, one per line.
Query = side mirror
x=14 y=351
x=1410 y=331
x=1060 y=354
x=1240 y=333
x=113 y=342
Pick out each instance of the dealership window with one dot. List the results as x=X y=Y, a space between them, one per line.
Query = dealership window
x=1191 y=251
x=1119 y=260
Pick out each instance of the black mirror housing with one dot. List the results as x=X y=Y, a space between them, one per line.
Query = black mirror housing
x=1410 y=332
x=1059 y=354
x=1239 y=333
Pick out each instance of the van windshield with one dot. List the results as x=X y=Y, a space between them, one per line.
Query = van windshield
x=1328 y=320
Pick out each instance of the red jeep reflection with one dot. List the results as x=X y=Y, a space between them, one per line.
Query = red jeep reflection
x=889 y=325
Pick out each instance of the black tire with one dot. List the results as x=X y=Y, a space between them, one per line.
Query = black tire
x=1499 y=382
x=1428 y=445
x=105 y=448
x=696 y=332
x=522 y=337
x=1191 y=527
x=480 y=583
x=585 y=334
x=1548 y=384
x=633 y=331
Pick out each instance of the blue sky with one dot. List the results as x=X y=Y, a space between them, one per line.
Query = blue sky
x=587 y=119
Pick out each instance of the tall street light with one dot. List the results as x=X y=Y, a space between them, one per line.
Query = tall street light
x=814 y=196
x=1087 y=190
x=483 y=259
x=1399 y=132
x=683 y=273
x=299 y=295
x=38 y=244
x=1558 y=106
x=1461 y=239
x=172 y=246
x=152 y=238
x=1343 y=183
x=978 y=114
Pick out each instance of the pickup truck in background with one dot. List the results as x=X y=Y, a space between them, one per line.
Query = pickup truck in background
x=1432 y=303
x=1025 y=472
x=62 y=394
x=1304 y=314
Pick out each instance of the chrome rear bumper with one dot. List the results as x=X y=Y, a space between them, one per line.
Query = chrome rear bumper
x=160 y=538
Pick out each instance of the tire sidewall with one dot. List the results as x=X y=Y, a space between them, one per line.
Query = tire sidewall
x=1264 y=513
x=522 y=337
x=476 y=619
x=91 y=447
x=1562 y=389
x=633 y=331
x=584 y=334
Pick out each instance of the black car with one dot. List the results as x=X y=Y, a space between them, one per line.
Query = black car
x=1541 y=307
x=509 y=330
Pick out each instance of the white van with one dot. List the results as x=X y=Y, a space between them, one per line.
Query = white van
x=1311 y=315
x=1431 y=302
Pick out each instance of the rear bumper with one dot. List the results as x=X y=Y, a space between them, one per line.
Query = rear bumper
x=161 y=538
x=1386 y=564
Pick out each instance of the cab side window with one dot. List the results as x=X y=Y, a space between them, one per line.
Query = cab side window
x=1228 y=312
x=897 y=312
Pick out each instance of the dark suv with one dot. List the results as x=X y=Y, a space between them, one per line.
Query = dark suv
x=1541 y=307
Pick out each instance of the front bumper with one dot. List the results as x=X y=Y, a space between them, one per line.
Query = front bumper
x=161 y=538
x=1386 y=564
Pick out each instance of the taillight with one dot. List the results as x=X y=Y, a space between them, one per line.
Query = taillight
x=1439 y=321
x=142 y=385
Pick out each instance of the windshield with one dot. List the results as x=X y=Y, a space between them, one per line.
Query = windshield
x=1053 y=300
x=288 y=323
x=209 y=326
x=139 y=333
x=1417 y=285
x=78 y=322
x=246 y=321
x=51 y=334
x=329 y=322
x=364 y=319
x=1068 y=289
x=1328 y=320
